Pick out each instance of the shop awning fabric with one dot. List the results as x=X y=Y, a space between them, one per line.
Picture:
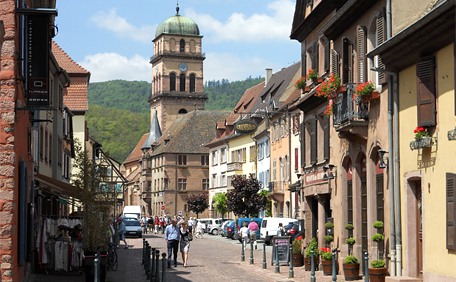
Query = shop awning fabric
x=56 y=186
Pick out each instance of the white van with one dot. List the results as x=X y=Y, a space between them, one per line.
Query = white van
x=132 y=211
x=270 y=226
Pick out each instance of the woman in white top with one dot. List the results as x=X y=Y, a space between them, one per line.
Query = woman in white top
x=244 y=233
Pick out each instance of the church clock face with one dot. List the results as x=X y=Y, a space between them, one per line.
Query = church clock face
x=183 y=66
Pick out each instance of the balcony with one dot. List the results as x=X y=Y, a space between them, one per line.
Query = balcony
x=350 y=116
x=276 y=190
x=234 y=167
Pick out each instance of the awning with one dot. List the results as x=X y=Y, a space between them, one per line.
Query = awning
x=56 y=186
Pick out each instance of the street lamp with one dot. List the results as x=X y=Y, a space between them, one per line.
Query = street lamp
x=328 y=172
x=383 y=163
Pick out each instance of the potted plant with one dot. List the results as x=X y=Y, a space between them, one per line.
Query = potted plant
x=313 y=75
x=326 y=262
x=378 y=271
x=301 y=84
x=96 y=198
x=366 y=92
x=297 y=257
x=351 y=263
x=308 y=259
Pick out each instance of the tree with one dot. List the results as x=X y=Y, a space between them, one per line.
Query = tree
x=198 y=203
x=244 y=199
x=268 y=208
x=219 y=202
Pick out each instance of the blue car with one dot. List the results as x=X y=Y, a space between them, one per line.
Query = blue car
x=229 y=229
x=240 y=222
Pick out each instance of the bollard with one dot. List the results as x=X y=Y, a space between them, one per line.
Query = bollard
x=291 y=272
x=277 y=268
x=242 y=249
x=164 y=262
x=95 y=265
x=334 y=275
x=366 y=267
x=251 y=251
x=151 y=276
x=148 y=261
x=143 y=251
x=264 y=256
x=312 y=266
x=157 y=269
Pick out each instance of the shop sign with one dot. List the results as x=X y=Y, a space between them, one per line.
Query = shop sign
x=245 y=127
x=38 y=46
x=314 y=177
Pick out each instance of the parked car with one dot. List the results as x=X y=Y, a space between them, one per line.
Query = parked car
x=222 y=227
x=270 y=226
x=240 y=222
x=133 y=228
x=228 y=229
x=293 y=230
x=206 y=222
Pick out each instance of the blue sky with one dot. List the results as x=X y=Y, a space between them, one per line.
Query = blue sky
x=113 y=39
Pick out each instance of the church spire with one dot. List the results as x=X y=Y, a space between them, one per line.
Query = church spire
x=154 y=133
x=177 y=9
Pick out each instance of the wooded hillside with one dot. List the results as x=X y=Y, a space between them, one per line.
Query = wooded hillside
x=119 y=114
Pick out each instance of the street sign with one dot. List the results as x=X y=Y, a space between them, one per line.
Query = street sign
x=180 y=213
x=163 y=208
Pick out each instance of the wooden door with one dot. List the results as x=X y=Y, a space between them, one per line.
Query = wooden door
x=419 y=230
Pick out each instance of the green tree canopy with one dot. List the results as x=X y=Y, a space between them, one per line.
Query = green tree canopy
x=198 y=203
x=219 y=202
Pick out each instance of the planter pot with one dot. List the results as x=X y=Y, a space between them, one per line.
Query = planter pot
x=341 y=89
x=365 y=98
x=423 y=142
x=307 y=89
x=378 y=274
x=298 y=260
x=374 y=96
x=327 y=267
x=317 y=80
x=351 y=271
x=89 y=268
x=308 y=263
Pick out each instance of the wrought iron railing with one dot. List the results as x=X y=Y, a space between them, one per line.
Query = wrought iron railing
x=346 y=108
x=275 y=187
x=234 y=166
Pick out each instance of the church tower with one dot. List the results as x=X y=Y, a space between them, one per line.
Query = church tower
x=177 y=70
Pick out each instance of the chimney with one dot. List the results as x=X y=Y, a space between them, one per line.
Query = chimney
x=267 y=77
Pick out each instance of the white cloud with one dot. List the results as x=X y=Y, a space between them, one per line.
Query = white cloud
x=110 y=66
x=233 y=68
x=111 y=21
x=253 y=28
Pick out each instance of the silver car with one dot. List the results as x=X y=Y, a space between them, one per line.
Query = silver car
x=133 y=228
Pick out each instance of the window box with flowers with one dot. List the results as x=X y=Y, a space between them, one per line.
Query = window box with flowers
x=301 y=84
x=423 y=139
x=365 y=92
x=327 y=89
x=313 y=75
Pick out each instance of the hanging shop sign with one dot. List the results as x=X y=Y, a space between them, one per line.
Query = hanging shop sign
x=245 y=126
x=38 y=47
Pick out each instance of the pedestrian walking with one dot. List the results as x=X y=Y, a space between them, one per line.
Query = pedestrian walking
x=199 y=230
x=253 y=228
x=144 y=224
x=186 y=237
x=190 y=225
x=157 y=224
x=150 y=224
x=244 y=233
x=281 y=230
x=122 y=231
x=172 y=236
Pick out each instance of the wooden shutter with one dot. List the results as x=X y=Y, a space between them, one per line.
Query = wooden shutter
x=335 y=62
x=303 y=144
x=346 y=60
x=450 y=211
x=350 y=63
x=425 y=74
x=381 y=36
x=315 y=55
x=296 y=165
x=326 y=137
x=303 y=59
x=313 y=141
x=309 y=2
x=327 y=54
x=361 y=45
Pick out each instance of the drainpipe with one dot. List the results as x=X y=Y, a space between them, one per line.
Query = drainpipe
x=391 y=166
x=397 y=191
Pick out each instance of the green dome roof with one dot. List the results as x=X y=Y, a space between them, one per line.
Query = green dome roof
x=178 y=25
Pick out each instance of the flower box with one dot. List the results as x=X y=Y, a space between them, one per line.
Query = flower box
x=341 y=89
x=424 y=142
x=317 y=80
x=373 y=96
x=307 y=89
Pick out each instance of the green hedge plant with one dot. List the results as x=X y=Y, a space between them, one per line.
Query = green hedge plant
x=351 y=260
x=378 y=263
x=313 y=243
x=328 y=239
x=378 y=237
x=349 y=227
x=327 y=256
x=378 y=224
x=351 y=241
x=297 y=247
x=329 y=225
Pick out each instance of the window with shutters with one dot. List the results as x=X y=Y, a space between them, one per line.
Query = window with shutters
x=371 y=44
x=312 y=54
x=326 y=128
x=361 y=52
x=335 y=62
x=303 y=145
x=313 y=140
x=274 y=170
x=381 y=37
x=347 y=61
x=425 y=74
x=253 y=153
x=450 y=211
x=296 y=164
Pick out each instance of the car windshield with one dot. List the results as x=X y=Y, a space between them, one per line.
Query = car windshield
x=132 y=223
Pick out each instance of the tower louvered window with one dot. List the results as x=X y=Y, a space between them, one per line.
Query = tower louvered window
x=172 y=82
x=381 y=36
x=192 y=83
x=182 y=82
x=361 y=46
